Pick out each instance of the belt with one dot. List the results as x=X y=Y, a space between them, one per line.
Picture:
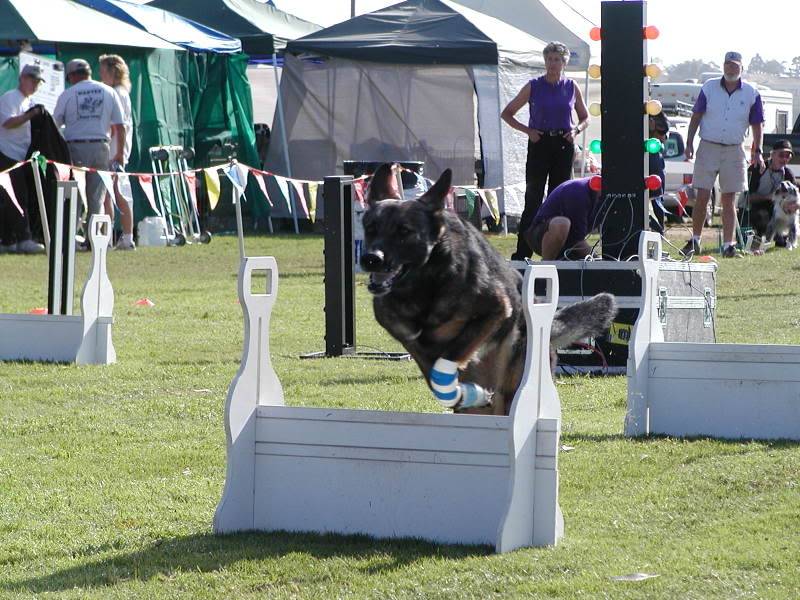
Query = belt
x=719 y=143
x=86 y=141
x=555 y=132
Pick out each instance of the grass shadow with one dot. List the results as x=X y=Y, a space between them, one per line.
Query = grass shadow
x=208 y=553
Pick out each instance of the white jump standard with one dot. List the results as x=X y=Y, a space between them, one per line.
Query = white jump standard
x=82 y=339
x=682 y=389
x=450 y=478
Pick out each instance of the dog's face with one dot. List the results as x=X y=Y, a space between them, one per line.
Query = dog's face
x=787 y=197
x=399 y=236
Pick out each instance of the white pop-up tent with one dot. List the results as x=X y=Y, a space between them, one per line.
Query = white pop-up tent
x=421 y=80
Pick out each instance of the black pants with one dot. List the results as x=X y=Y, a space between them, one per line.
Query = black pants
x=548 y=159
x=14 y=227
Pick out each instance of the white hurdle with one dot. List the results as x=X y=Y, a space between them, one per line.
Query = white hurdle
x=732 y=391
x=466 y=479
x=82 y=339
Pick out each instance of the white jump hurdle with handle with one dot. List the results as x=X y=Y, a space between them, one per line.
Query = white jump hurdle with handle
x=682 y=389
x=450 y=478
x=82 y=339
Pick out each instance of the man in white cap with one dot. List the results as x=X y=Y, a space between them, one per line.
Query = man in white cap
x=724 y=110
x=16 y=111
x=89 y=110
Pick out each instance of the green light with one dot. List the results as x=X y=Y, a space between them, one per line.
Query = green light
x=595 y=147
x=653 y=146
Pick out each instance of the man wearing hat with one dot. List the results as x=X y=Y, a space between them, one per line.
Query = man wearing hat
x=88 y=111
x=724 y=110
x=761 y=183
x=16 y=112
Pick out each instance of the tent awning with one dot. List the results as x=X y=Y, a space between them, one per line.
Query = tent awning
x=66 y=21
x=548 y=20
x=168 y=26
x=262 y=28
x=423 y=32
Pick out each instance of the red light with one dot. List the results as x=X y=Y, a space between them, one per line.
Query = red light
x=652 y=182
x=650 y=32
x=596 y=183
x=595 y=34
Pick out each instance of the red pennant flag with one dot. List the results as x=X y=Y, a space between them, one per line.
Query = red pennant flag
x=146 y=181
x=191 y=182
x=62 y=171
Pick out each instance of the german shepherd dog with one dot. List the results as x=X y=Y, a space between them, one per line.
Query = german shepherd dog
x=782 y=223
x=444 y=292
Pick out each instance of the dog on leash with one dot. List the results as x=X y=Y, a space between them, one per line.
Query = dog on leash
x=452 y=301
x=783 y=223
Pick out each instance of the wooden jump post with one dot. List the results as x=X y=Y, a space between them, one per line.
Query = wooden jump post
x=450 y=478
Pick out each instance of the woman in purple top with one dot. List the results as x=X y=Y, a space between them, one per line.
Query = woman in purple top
x=552 y=98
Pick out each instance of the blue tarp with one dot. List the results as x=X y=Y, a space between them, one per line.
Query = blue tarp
x=168 y=26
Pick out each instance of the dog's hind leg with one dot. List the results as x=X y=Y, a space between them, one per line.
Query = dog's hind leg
x=791 y=240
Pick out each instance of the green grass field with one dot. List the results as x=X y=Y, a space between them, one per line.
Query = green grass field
x=109 y=475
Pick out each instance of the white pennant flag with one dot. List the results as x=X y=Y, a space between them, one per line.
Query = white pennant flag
x=80 y=177
x=5 y=183
x=284 y=188
x=263 y=186
x=108 y=182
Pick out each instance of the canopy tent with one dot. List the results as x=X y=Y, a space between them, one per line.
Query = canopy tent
x=263 y=28
x=548 y=20
x=66 y=21
x=168 y=26
x=421 y=80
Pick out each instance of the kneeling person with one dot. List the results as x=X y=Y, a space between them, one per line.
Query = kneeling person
x=564 y=220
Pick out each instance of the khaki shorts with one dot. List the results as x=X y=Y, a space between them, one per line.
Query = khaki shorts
x=728 y=162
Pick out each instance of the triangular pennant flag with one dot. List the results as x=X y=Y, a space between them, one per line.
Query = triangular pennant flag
x=236 y=179
x=191 y=183
x=124 y=187
x=62 y=171
x=80 y=177
x=284 y=189
x=313 y=186
x=212 y=186
x=263 y=186
x=108 y=182
x=5 y=183
x=244 y=171
x=301 y=197
x=490 y=198
x=472 y=198
x=146 y=183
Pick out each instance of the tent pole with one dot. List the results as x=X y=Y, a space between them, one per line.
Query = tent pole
x=583 y=137
x=293 y=207
x=502 y=194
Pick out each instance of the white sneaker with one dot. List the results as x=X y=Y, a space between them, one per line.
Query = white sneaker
x=124 y=244
x=30 y=247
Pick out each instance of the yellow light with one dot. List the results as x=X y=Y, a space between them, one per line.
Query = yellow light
x=594 y=109
x=594 y=71
x=653 y=71
x=652 y=107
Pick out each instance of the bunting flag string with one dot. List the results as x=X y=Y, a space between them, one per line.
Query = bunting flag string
x=235 y=177
x=284 y=189
x=108 y=182
x=5 y=183
x=124 y=187
x=62 y=171
x=80 y=176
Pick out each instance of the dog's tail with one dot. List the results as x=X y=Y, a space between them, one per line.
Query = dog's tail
x=583 y=319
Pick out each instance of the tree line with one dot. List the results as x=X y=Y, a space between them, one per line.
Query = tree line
x=691 y=69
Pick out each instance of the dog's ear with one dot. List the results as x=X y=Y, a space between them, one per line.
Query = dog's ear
x=383 y=185
x=434 y=198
